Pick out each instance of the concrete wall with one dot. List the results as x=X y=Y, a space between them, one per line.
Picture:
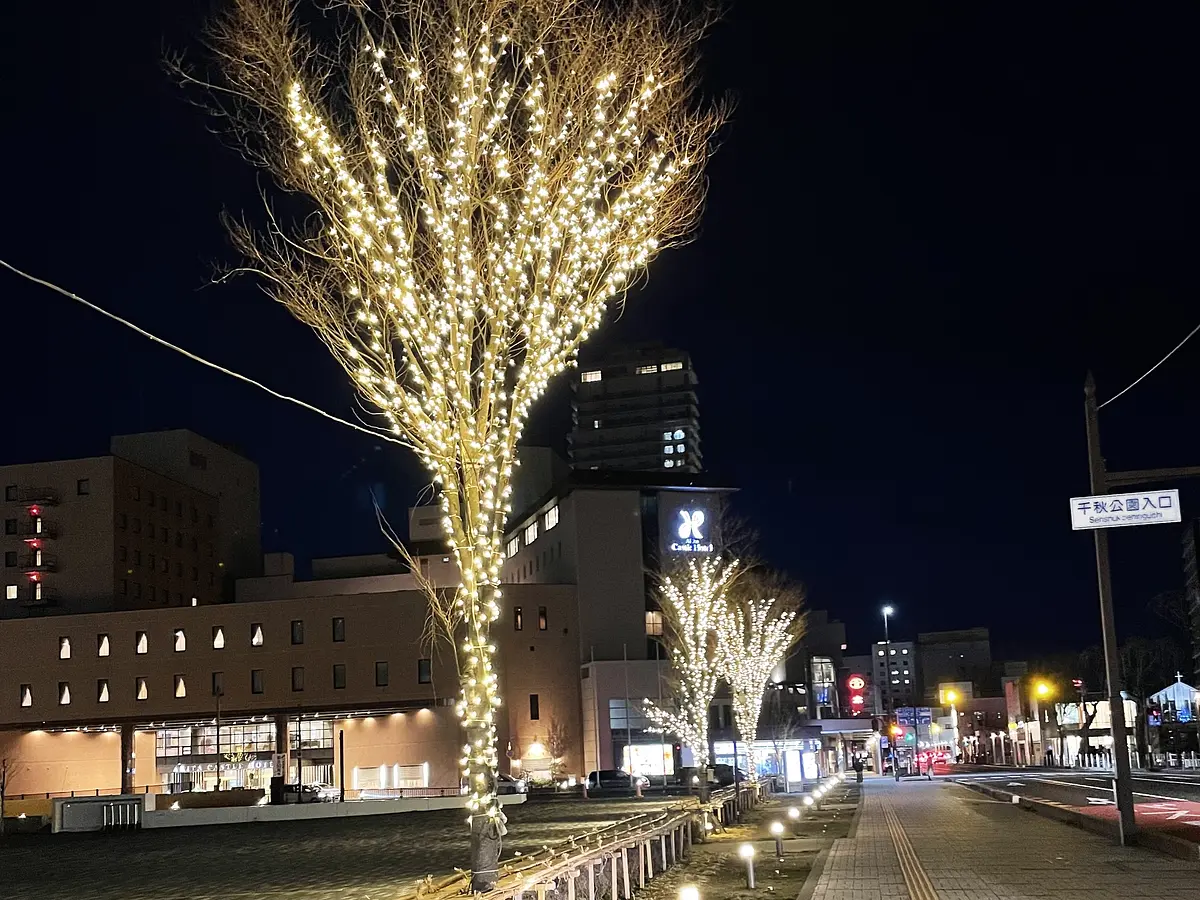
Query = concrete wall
x=430 y=736
x=606 y=529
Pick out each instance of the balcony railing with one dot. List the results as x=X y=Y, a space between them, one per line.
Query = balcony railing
x=45 y=495
x=31 y=528
x=32 y=563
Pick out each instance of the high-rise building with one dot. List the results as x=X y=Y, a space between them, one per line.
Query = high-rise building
x=896 y=674
x=636 y=409
x=113 y=532
x=962 y=656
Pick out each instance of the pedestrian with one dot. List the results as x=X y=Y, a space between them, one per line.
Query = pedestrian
x=858 y=769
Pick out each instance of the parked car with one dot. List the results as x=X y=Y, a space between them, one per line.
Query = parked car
x=615 y=780
x=506 y=784
x=724 y=775
x=320 y=792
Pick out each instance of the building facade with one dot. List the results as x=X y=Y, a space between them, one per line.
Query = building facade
x=896 y=675
x=960 y=656
x=636 y=409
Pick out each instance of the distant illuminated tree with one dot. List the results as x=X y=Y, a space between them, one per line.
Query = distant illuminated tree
x=693 y=601
x=485 y=177
x=762 y=621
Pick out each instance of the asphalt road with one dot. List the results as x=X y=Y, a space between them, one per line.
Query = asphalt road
x=1084 y=788
x=366 y=858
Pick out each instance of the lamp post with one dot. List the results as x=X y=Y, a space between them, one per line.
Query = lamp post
x=886 y=687
x=952 y=698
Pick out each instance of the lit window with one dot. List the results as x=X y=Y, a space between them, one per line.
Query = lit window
x=668 y=463
x=10 y=592
x=678 y=434
x=218 y=637
x=543 y=620
x=180 y=640
x=905 y=651
x=142 y=691
x=64 y=648
x=142 y=642
x=256 y=635
x=647 y=370
x=180 y=687
x=907 y=681
x=593 y=375
x=672 y=366
x=679 y=448
x=895 y=681
x=654 y=624
x=102 y=690
x=531 y=533
x=37 y=590
x=64 y=694
x=27 y=695
x=666 y=435
x=195 y=602
x=511 y=548
x=595 y=423
x=518 y=619
x=669 y=449
x=881 y=653
x=551 y=517
x=102 y=648
x=893 y=653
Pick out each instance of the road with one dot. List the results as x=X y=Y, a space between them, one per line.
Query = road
x=1164 y=800
x=335 y=859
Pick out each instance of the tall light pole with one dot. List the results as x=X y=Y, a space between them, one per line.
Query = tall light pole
x=887 y=656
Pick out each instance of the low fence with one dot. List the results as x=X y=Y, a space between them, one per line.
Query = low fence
x=605 y=864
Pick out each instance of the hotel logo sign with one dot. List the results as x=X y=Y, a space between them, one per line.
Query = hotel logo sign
x=691 y=532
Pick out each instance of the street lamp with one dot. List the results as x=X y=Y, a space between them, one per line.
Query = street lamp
x=1043 y=690
x=887 y=656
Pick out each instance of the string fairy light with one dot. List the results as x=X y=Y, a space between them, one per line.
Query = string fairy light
x=486 y=187
x=752 y=637
x=693 y=603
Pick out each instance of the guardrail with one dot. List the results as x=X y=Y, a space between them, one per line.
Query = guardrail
x=609 y=862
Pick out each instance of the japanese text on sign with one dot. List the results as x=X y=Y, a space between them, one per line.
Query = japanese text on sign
x=1119 y=510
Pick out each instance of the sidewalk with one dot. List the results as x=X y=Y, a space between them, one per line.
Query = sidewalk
x=939 y=841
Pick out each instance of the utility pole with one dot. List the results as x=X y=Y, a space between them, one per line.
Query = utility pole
x=1123 y=783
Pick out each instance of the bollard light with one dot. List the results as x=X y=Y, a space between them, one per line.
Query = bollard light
x=689 y=892
x=746 y=852
x=777 y=832
x=808 y=800
x=793 y=812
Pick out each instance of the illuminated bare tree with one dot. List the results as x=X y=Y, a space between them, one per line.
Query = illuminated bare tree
x=762 y=621
x=485 y=177
x=693 y=602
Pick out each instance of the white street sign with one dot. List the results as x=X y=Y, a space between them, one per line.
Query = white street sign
x=1119 y=510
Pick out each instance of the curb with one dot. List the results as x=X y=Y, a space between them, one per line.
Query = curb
x=814 y=875
x=1162 y=843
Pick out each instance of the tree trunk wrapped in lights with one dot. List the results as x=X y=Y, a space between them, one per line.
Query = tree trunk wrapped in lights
x=693 y=600
x=762 y=621
x=487 y=176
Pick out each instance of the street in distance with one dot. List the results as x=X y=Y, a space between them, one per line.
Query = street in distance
x=1120 y=510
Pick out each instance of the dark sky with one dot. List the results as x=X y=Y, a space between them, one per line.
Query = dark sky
x=926 y=223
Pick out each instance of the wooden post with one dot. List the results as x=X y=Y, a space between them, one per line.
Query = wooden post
x=612 y=893
x=662 y=845
x=591 y=882
x=641 y=864
x=571 y=884
x=628 y=888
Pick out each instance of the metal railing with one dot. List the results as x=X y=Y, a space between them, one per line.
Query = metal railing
x=607 y=862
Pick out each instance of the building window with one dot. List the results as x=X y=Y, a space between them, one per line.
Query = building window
x=10 y=493
x=551 y=517
x=142 y=643
x=135 y=525
x=11 y=592
x=256 y=634
x=64 y=648
x=905 y=651
x=679 y=448
x=339 y=630
x=197 y=460
x=672 y=366
x=83 y=487
x=893 y=652
x=647 y=370
x=135 y=492
x=881 y=653
x=297 y=678
x=593 y=375
x=180 y=688
x=218 y=684
x=297 y=631
x=595 y=423
x=531 y=533
x=256 y=681
x=381 y=674
x=339 y=676
x=142 y=692
x=666 y=435
x=511 y=548
x=179 y=509
x=654 y=624
x=668 y=464
x=10 y=559
x=102 y=690
x=10 y=526
x=180 y=640
x=424 y=671
x=543 y=619
x=64 y=694
x=124 y=587
x=679 y=434
x=518 y=619
x=669 y=449
x=163 y=502
x=27 y=695
x=535 y=711
x=218 y=637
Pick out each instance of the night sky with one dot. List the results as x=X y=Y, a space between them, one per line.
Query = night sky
x=925 y=224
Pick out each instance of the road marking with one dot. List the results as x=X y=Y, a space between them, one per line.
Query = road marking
x=1015 y=784
x=1102 y=801
x=919 y=885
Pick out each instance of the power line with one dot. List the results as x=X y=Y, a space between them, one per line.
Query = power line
x=200 y=359
x=1151 y=369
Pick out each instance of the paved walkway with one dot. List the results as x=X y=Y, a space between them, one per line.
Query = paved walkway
x=939 y=841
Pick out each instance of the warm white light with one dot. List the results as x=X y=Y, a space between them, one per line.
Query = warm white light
x=689 y=892
x=793 y=812
x=776 y=828
x=887 y=611
x=808 y=801
x=746 y=851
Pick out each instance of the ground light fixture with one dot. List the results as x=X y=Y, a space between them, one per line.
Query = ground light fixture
x=689 y=892
x=793 y=812
x=808 y=800
x=746 y=852
x=777 y=833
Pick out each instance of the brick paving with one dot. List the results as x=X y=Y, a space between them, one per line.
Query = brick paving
x=965 y=847
x=369 y=858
